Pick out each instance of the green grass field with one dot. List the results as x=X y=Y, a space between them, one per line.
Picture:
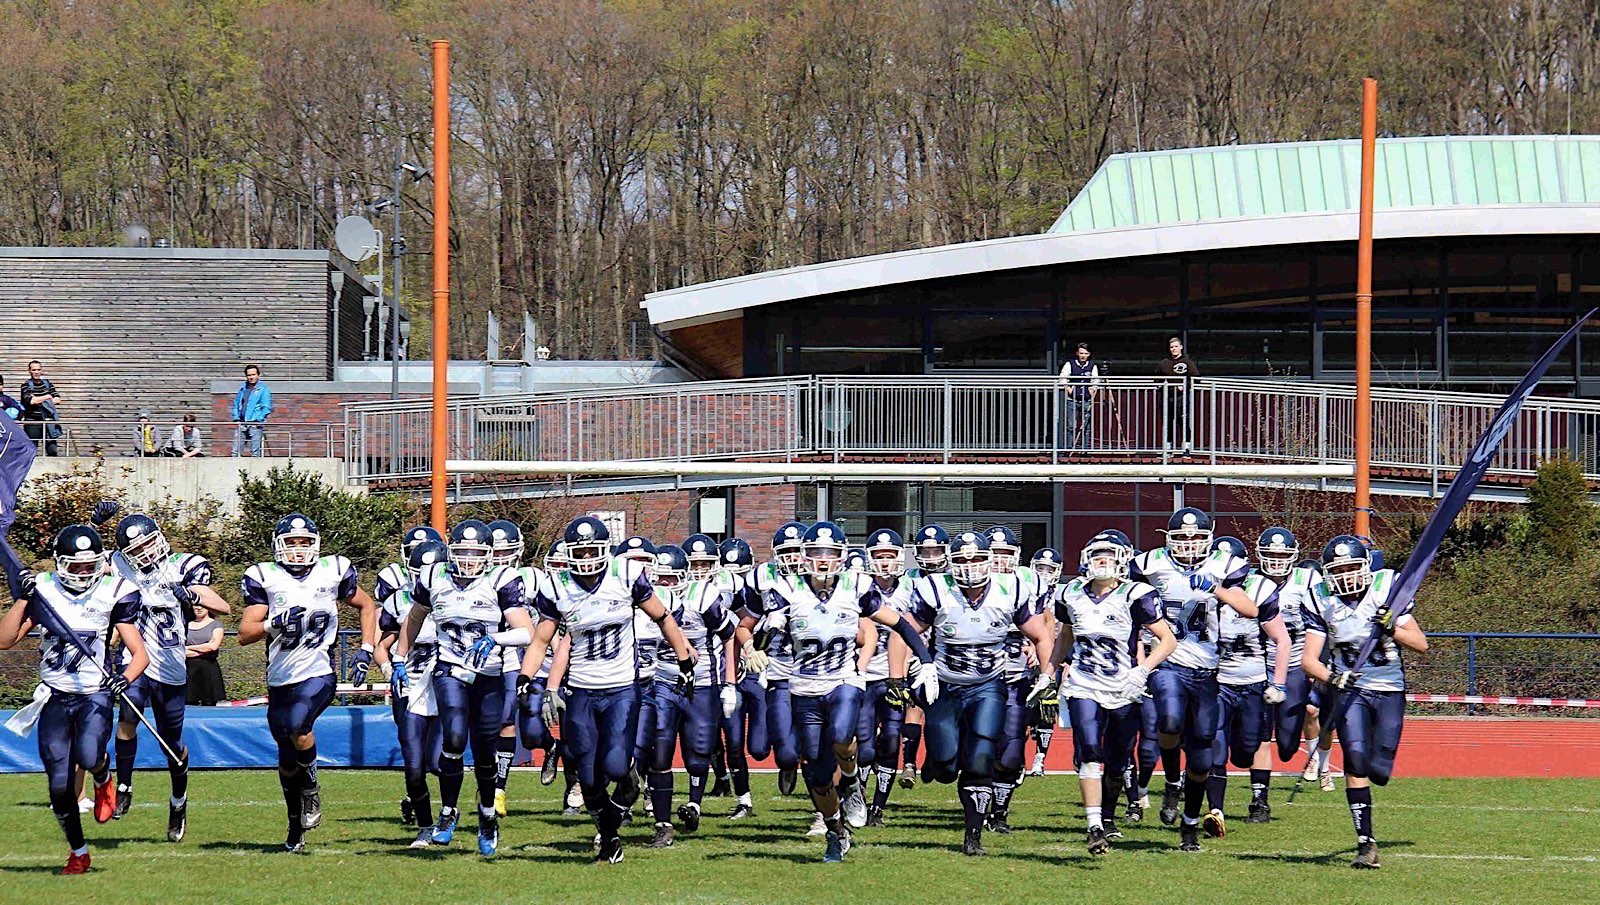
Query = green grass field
x=1442 y=841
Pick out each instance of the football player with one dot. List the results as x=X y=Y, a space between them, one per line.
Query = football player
x=823 y=613
x=1276 y=552
x=1046 y=563
x=738 y=563
x=292 y=603
x=969 y=611
x=1102 y=614
x=1020 y=671
x=687 y=716
x=1346 y=609
x=478 y=609
x=506 y=540
x=770 y=728
x=932 y=554
x=171 y=585
x=77 y=608
x=1194 y=583
x=594 y=598
x=878 y=735
x=418 y=732
x=1246 y=690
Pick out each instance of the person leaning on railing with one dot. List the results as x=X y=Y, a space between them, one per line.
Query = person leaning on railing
x=252 y=406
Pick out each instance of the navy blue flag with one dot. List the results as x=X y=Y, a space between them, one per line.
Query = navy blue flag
x=1403 y=597
x=16 y=456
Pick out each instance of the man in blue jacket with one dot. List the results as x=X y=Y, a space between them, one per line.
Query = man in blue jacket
x=252 y=405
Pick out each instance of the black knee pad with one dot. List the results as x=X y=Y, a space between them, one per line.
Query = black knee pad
x=939 y=771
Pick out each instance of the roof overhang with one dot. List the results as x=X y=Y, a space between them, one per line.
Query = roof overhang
x=708 y=302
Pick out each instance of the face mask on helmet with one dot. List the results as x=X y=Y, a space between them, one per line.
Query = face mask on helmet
x=556 y=560
x=933 y=556
x=669 y=569
x=297 y=544
x=1102 y=561
x=80 y=559
x=970 y=561
x=144 y=546
x=1047 y=565
x=889 y=563
x=1277 y=553
x=823 y=560
x=1003 y=555
x=469 y=557
x=590 y=558
x=507 y=549
x=1189 y=546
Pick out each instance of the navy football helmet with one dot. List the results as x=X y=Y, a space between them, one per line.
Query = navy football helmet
x=81 y=557
x=1347 y=565
x=824 y=546
x=470 y=548
x=703 y=556
x=1189 y=535
x=1276 y=551
x=296 y=542
x=588 y=545
x=736 y=556
x=886 y=554
x=970 y=559
x=932 y=549
x=671 y=567
x=141 y=543
x=505 y=539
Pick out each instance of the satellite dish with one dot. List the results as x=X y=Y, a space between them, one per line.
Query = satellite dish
x=836 y=418
x=356 y=238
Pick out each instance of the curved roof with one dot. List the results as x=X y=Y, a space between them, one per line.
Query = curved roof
x=1164 y=202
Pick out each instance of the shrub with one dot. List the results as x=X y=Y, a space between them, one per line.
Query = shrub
x=365 y=528
x=51 y=502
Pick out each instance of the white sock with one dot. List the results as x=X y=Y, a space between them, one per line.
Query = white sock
x=1322 y=759
x=1144 y=792
x=178 y=802
x=745 y=799
x=1094 y=818
x=80 y=852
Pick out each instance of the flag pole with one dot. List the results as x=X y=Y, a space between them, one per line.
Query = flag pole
x=441 y=278
x=1363 y=413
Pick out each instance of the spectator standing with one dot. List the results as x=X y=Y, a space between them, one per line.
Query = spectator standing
x=186 y=441
x=40 y=408
x=10 y=406
x=1179 y=365
x=252 y=405
x=202 y=642
x=145 y=444
x=1081 y=378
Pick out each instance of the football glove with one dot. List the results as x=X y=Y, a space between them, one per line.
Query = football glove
x=116 y=684
x=1203 y=583
x=897 y=694
x=185 y=596
x=924 y=681
x=1344 y=681
x=27 y=583
x=685 y=685
x=777 y=620
x=1043 y=687
x=1133 y=686
x=552 y=707
x=754 y=659
x=399 y=679
x=730 y=700
x=104 y=511
x=481 y=650
x=1274 y=693
x=360 y=662
x=1384 y=619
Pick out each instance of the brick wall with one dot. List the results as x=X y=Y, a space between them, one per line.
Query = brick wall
x=303 y=423
x=667 y=515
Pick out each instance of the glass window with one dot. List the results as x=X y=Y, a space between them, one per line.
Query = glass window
x=997 y=342
x=1401 y=344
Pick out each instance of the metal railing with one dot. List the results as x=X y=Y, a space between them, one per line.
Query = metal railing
x=1424 y=435
x=323 y=439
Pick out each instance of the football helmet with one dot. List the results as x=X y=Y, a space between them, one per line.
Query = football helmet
x=786 y=546
x=671 y=567
x=636 y=548
x=141 y=542
x=886 y=555
x=424 y=556
x=702 y=553
x=1102 y=558
x=932 y=549
x=505 y=539
x=970 y=559
x=1046 y=564
x=1347 y=565
x=1004 y=551
x=824 y=545
x=81 y=557
x=1276 y=551
x=1233 y=546
x=587 y=541
x=1189 y=535
x=415 y=537
x=296 y=542
x=470 y=548
x=736 y=556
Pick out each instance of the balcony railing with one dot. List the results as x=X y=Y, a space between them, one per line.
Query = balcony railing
x=1422 y=435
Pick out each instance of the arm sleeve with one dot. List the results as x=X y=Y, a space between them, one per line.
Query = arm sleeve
x=383 y=590
x=251 y=589
x=545 y=605
x=1267 y=609
x=387 y=622
x=1146 y=609
x=511 y=594
x=1238 y=571
x=718 y=621
x=642 y=589
x=908 y=634
x=347 y=582
x=1313 y=617
x=126 y=609
x=197 y=571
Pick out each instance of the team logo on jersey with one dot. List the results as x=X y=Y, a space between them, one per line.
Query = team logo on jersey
x=949 y=631
x=280 y=598
x=800 y=625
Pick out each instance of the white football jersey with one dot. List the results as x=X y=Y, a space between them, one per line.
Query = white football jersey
x=769 y=583
x=898 y=598
x=163 y=623
x=702 y=612
x=650 y=645
x=302 y=615
x=464 y=613
x=968 y=638
x=823 y=630
x=1348 y=626
x=1105 y=635
x=1294 y=595
x=1242 y=648
x=90 y=615
x=1192 y=614
x=600 y=622
x=394 y=596
x=1016 y=657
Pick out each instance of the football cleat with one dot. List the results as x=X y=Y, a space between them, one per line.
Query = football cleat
x=105 y=800
x=575 y=797
x=1110 y=828
x=1169 y=803
x=1366 y=856
x=1096 y=841
x=1309 y=774
x=1325 y=781
x=445 y=829
x=997 y=823
x=76 y=864
x=424 y=837
x=570 y=811
x=549 y=769
x=1215 y=825
x=741 y=811
x=124 y=801
x=1260 y=811
x=854 y=807
x=972 y=843
x=908 y=776
x=177 y=821
x=663 y=836
x=874 y=816
x=786 y=780
x=834 y=853
x=721 y=788
x=311 y=807
x=1136 y=809
x=1189 y=838
x=845 y=840
x=610 y=851
x=689 y=815
x=627 y=817
x=85 y=805
x=818 y=826
x=295 y=846
x=500 y=802
x=1038 y=766
x=408 y=813
x=488 y=835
